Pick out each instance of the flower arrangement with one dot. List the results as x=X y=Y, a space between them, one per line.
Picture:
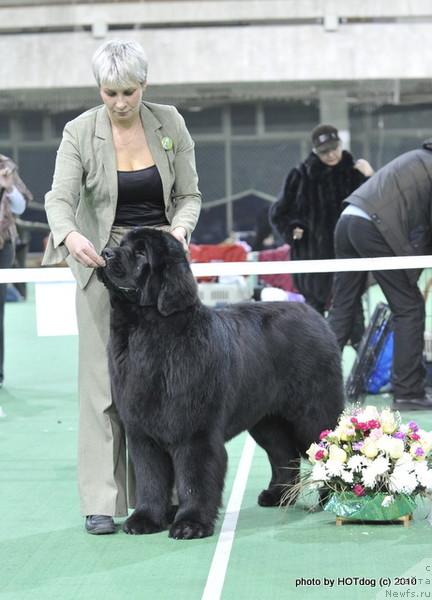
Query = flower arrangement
x=371 y=454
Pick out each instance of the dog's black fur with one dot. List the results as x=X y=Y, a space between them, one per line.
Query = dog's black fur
x=186 y=378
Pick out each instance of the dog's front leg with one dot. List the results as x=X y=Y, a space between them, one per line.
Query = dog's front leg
x=154 y=482
x=200 y=467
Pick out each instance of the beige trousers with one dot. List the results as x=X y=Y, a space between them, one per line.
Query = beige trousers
x=105 y=479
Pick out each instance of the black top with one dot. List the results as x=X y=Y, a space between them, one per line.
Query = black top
x=140 y=198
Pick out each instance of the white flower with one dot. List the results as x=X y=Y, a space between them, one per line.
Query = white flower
x=319 y=472
x=356 y=462
x=384 y=443
x=424 y=475
x=380 y=465
x=312 y=450
x=387 y=501
x=369 y=477
x=402 y=481
x=334 y=468
x=347 y=476
x=405 y=461
x=369 y=413
x=394 y=447
x=374 y=471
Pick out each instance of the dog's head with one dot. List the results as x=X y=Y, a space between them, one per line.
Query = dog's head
x=149 y=268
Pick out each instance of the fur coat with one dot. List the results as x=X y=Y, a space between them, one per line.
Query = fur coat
x=312 y=198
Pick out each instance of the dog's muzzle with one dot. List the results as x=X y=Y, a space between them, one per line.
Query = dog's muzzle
x=108 y=254
x=131 y=294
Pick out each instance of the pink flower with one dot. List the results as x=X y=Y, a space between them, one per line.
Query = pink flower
x=358 y=489
x=319 y=455
x=354 y=420
x=415 y=436
x=324 y=433
x=363 y=426
x=373 y=424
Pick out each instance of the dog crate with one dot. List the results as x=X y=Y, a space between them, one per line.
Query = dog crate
x=427 y=355
x=219 y=294
x=427 y=352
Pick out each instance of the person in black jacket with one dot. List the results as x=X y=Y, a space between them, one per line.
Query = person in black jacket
x=390 y=215
x=309 y=206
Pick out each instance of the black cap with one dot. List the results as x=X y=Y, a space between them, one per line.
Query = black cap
x=325 y=137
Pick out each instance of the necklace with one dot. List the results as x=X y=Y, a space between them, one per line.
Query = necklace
x=123 y=142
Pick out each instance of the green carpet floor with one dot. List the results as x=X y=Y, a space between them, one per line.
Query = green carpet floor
x=45 y=553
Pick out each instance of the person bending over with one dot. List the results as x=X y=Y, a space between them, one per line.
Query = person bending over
x=390 y=215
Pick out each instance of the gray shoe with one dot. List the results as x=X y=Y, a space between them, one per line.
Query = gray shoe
x=99 y=524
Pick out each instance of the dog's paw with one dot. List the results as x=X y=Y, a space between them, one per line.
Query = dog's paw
x=189 y=530
x=269 y=498
x=139 y=524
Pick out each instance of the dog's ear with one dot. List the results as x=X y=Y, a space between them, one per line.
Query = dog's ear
x=178 y=288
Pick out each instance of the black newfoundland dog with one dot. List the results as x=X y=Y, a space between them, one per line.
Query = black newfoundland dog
x=186 y=378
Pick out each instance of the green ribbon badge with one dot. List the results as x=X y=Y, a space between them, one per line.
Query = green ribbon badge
x=167 y=143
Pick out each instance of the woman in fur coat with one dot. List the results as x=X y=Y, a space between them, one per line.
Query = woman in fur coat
x=310 y=203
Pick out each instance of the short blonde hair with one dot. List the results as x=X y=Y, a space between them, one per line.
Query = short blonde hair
x=120 y=64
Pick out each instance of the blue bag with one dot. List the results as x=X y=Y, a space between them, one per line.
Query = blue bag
x=381 y=374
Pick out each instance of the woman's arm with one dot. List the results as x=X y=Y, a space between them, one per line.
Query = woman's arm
x=62 y=201
x=17 y=192
x=283 y=214
x=186 y=195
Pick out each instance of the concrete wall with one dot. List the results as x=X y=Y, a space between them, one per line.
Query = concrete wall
x=247 y=47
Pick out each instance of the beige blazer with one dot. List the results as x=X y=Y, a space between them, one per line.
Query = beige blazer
x=83 y=196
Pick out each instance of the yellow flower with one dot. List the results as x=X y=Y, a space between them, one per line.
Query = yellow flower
x=396 y=448
x=370 y=448
x=345 y=429
x=388 y=422
x=337 y=454
x=425 y=440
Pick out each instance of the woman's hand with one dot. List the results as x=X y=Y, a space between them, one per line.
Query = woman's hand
x=82 y=250
x=180 y=234
x=364 y=167
x=297 y=233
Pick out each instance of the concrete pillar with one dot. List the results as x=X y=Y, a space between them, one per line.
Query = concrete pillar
x=334 y=111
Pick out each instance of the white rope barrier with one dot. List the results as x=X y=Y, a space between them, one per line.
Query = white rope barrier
x=386 y=263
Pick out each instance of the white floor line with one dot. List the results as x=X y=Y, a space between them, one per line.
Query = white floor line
x=216 y=576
